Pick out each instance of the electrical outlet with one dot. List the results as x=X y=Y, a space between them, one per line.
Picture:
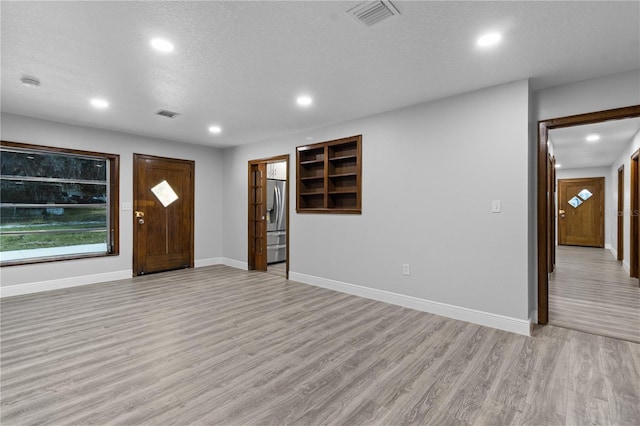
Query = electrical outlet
x=406 y=269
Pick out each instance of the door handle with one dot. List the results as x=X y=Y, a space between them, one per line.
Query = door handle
x=561 y=213
x=140 y=217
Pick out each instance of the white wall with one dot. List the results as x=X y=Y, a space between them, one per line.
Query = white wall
x=429 y=175
x=610 y=186
x=208 y=195
x=598 y=94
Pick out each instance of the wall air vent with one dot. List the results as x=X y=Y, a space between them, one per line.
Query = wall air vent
x=168 y=114
x=372 y=12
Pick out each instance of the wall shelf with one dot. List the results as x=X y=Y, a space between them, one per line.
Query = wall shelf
x=329 y=177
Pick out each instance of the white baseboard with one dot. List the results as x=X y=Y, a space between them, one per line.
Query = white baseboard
x=28 y=288
x=501 y=322
x=235 y=263
x=207 y=262
x=626 y=266
x=612 y=250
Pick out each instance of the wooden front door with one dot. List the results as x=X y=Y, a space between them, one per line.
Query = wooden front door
x=257 y=216
x=581 y=212
x=163 y=214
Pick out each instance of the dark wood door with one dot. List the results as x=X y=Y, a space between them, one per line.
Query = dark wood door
x=620 y=245
x=634 y=237
x=551 y=246
x=581 y=212
x=163 y=214
x=257 y=216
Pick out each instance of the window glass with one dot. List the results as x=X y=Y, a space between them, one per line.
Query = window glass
x=54 y=204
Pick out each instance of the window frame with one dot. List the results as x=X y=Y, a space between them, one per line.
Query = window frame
x=113 y=249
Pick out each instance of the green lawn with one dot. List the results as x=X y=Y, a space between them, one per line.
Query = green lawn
x=35 y=241
x=22 y=220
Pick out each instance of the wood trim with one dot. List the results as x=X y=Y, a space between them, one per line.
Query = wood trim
x=543 y=226
x=332 y=202
x=114 y=197
x=553 y=208
x=543 y=151
x=275 y=159
x=56 y=149
x=634 y=234
x=620 y=212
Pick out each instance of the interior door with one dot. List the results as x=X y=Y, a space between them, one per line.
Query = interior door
x=163 y=214
x=257 y=216
x=551 y=190
x=634 y=237
x=620 y=246
x=581 y=212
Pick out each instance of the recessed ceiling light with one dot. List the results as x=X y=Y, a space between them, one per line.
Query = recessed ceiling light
x=304 y=100
x=490 y=39
x=558 y=166
x=162 y=45
x=99 y=103
x=593 y=137
x=215 y=129
x=31 y=82
x=309 y=138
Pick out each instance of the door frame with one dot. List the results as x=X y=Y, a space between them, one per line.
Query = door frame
x=634 y=231
x=542 y=192
x=552 y=212
x=136 y=207
x=251 y=212
x=620 y=217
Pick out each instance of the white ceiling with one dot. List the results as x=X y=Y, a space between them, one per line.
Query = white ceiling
x=242 y=64
x=572 y=150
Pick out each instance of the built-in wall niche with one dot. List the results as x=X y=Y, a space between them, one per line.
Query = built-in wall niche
x=329 y=176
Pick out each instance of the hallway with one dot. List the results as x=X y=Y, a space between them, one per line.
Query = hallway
x=590 y=291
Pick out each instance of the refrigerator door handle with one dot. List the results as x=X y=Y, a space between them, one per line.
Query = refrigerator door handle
x=278 y=203
x=274 y=208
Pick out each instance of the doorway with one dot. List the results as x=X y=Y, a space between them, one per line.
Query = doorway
x=545 y=198
x=268 y=215
x=163 y=198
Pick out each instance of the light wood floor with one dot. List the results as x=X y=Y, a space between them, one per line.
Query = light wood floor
x=217 y=345
x=279 y=269
x=590 y=291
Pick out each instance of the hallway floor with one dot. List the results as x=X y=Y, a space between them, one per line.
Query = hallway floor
x=279 y=269
x=590 y=291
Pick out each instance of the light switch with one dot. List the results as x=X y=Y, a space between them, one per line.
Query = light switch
x=495 y=206
x=126 y=206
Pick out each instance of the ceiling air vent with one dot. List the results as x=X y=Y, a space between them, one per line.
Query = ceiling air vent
x=372 y=12
x=168 y=114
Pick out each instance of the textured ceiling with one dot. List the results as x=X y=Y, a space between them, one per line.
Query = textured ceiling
x=242 y=64
x=573 y=151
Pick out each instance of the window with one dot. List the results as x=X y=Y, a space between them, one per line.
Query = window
x=56 y=204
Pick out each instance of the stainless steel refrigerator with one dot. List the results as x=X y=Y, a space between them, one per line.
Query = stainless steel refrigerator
x=276 y=221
